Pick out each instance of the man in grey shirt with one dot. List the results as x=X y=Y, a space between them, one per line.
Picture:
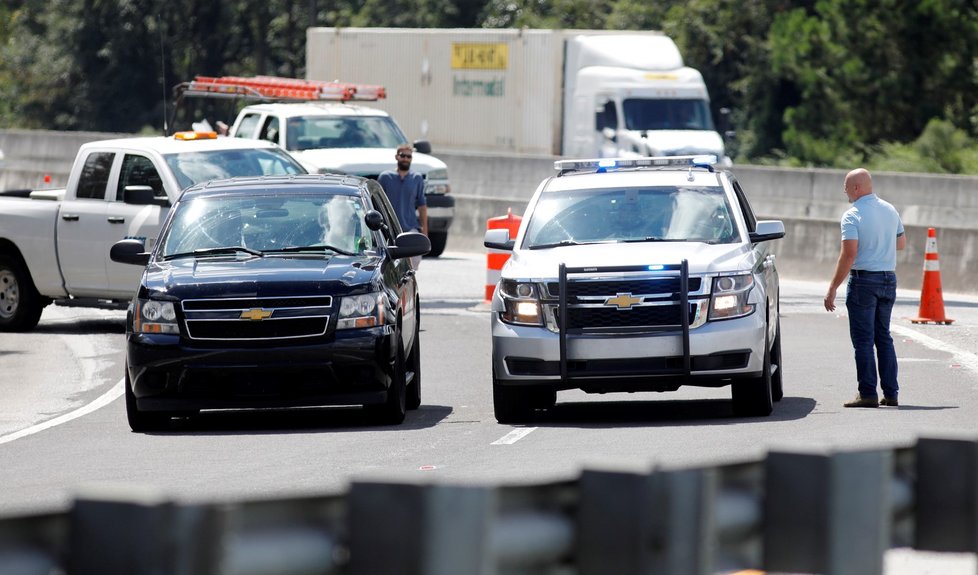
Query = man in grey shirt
x=405 y=190
x=872 y=232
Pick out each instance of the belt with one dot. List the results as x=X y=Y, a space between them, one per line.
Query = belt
x=866 y=273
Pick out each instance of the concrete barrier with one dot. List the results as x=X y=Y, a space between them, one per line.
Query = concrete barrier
x=810 y=201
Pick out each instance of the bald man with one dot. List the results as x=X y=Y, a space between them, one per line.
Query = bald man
x=872 y=233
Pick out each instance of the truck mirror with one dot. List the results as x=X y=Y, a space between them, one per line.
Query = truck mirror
x=609 y=134
x=422 y=146
x=141 y=196
x=498 y=239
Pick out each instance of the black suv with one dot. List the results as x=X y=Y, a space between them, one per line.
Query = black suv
x=274 y=292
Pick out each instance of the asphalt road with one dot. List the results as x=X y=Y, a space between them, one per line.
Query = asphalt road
x=63 y=425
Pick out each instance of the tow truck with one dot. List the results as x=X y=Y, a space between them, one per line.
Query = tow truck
x=325 y=128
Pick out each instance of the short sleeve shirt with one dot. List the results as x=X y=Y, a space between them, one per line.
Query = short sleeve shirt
x=406 y=195
x=876 y=225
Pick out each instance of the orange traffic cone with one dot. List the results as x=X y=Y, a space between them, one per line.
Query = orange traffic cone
x=931 y=295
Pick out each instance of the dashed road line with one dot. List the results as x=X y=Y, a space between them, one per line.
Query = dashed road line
x=514 y=436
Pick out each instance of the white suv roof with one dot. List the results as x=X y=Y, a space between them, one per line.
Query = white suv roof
x=289 y=110
x=171 y=145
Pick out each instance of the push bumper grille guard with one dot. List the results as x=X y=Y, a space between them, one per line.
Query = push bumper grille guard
x=683 y=271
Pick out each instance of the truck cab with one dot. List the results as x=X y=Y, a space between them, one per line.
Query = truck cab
x=335 y=137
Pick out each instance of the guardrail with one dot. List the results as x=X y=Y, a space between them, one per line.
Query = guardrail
x=794 y=511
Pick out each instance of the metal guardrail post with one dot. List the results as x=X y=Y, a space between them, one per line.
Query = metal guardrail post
x=827 y=513
x=420 y=530
x=641 y=524
x=946 y=503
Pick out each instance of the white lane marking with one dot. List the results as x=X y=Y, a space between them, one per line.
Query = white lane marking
x=965 y=358
x=106 y=398
x=514 y=436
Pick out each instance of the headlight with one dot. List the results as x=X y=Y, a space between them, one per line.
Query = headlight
x=365 y=310
x=152 y=316
x=522 y=305
x=729 y=297
x=437 y=189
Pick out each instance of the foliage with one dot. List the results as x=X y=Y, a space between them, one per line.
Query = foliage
x=807 y=82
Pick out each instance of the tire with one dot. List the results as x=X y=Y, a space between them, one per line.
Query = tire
x=142 y=421
x=392 y=412
x=20 y=304
x=414 y=367
x=511 y=404
x=752 y=396
x=438 y=241
x=777 y=386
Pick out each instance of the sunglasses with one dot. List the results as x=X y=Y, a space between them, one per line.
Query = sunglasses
x=403 y=155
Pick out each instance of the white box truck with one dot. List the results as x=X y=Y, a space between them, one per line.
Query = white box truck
x=574 y=93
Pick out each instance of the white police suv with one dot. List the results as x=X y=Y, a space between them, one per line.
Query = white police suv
x=639 y=274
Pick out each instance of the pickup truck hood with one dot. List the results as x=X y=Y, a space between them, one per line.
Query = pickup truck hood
x=228 y=277
x=362 y=161
x=703 y=258
x=680 y=142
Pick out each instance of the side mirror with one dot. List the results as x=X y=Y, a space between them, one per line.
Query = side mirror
x=129 y=251
x=499 y=240
x=767 y=230
x=142 y=196
x=374 y=220
x=409 y=244
x=422 y=146
x=609 y=134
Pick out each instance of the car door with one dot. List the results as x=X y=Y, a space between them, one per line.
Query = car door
x=401 y=275
x=81 y=226
x=133 y=221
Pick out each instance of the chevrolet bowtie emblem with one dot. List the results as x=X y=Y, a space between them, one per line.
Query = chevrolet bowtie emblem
x=623 y=301
x=256 y=314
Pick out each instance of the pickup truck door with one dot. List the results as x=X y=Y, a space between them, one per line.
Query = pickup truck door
x=130 y=220
x=81 y=250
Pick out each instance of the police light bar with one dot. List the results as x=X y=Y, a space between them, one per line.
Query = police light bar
x=188 y=136
x=604 y=164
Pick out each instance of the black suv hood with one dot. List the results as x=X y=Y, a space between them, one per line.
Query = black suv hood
x=272 y=275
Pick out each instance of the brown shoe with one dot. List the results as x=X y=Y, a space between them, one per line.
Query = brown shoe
x=863 y=402
x=889 y=402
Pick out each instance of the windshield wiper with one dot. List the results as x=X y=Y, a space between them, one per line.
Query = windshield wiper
x=215 y=251
x=317 y=248
x=654 y=239
x=559 y=244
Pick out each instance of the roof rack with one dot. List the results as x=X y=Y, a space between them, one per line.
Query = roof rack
x=600 y=165
x=274 y=88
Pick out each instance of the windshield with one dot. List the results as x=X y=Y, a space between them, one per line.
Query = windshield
x=648 y=114
x=191 y=168
x=310 y=132
x=667 y=213
x=268 y=224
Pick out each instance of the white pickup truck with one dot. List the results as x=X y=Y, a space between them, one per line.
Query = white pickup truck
x=54 y=244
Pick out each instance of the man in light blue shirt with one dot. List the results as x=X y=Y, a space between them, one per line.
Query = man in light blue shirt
x=405 y=190
x=872 y=233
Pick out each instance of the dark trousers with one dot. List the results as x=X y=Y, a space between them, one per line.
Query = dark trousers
x=869 y=300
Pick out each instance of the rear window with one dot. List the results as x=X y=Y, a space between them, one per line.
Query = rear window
x=667 y=213
x=191 y=168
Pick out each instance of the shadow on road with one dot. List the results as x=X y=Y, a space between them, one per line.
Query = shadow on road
x=671 y=413
x=300 y=420
x=80 y=326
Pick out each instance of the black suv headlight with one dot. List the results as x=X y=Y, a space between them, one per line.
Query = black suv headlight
x=154 y=316
x=729 y=296
x=522 y=303
x=366 y=310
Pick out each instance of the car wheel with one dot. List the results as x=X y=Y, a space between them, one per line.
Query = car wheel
x=414 y=369
x=777 y=387
x=752 y=395
x=392 y=412
x=20 y=304
x=141 y=421
x=511 y=404
x=438 y=241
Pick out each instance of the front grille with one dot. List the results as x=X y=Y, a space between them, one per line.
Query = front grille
x=660 y=286
x=609 y=317
x=244 y=319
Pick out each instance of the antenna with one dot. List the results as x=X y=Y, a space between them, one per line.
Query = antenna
x=159 y=25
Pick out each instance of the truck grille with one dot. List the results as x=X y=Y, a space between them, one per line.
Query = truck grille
x=604 y=317
x=244 y=319
x=663 y=286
